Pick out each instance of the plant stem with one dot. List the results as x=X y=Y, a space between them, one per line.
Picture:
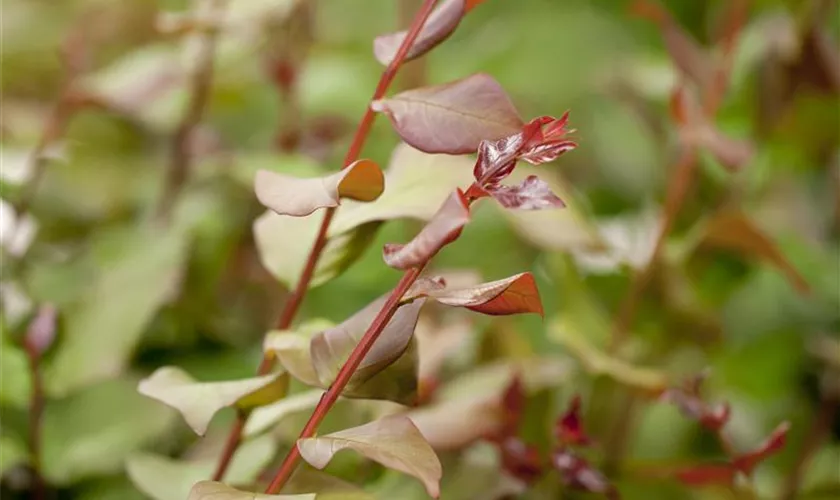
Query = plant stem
x=347 y=370
x=296 y=298
x=180 y=156
x=36 y=411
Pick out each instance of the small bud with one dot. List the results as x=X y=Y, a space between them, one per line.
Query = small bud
x=41 y=332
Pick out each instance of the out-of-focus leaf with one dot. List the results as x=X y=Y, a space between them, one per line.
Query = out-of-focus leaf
x=530 y=194
x=692 y=405
x=93 y=431
x=15 y=379
x=101 y=333
x=211 y=490
x=600 y=363
x=263 y=418
x=453 y=424
x=452 y=118
x=416 y=185
x=733 y=230
x=685 y=52
x=513 y=295
x=577 y=473
x=629 y=240
x=746 y=462
x=292 y=349
x=545 y=139
x=520 y=460
x=199 y=401
x=440 y=24
x=41 y=332
x=362 y=181
x=331 y=348
x=438 y=341
x=707 y=474
x=444 y=227
x=569 y=427
x=13 y=452
x=164 y=478
x=392 y=441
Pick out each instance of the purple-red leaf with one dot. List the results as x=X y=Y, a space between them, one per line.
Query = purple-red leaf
x=520 y=460
x=775 y=442
x=497 y=159
x=513 y=404
x=688 y=399
x=444 y=227
x=441 y=23
x=545 y=139
x=516 y=294
x=531 y=194
x=569 y=427
x=578 y=474
x=452 y=118
x=287 y=195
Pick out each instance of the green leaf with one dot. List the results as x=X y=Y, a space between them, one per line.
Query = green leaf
x=599 y=363
x=15 y=380
x=211 y=490
x=93 y=431
x=199 y=401
x=331 y=348
x=415 y=185
x=264 y=417
x=392 y=441
x=163 y=478
x=12 y=453
x=102 y=333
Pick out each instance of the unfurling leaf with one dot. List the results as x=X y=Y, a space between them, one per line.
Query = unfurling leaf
x=199 y=401
x=444 y=227
x=569 y=427
x=544 y=139
x=531 y=194
x=452 y=118
x=331 y=348
x=392 y=441
x=514 y=295
x=687 y=55
x=733 y=230
x=264 y=417
x=287 y=195
x=212 y=490
x=440 y=24
x=577 y=473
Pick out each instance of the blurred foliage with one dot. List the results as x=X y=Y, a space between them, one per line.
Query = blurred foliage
x=134 y=294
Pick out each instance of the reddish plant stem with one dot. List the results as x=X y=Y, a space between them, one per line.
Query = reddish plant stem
x=347 y=370
x=36 y=411
x=180 y=156
x=296 y=298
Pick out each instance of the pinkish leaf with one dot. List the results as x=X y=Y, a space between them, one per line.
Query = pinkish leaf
x=444 y=227
x=578 y=474
x=688 y=56
x=569 y=427
x=497 y=159
x=545 y=139
x=441 y=23
x=775 y=442
x=707 y=474
x=452 y=118
x=287 y=195
x=520 y=460
x=531 y=194
x=513 y=295
x=41 y=332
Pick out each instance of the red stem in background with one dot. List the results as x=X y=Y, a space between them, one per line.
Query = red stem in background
x=36 y=411
x=296 y=298
x=329 y=398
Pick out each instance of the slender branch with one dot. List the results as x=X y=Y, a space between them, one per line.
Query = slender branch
x=347 y=370
x=36 y=411
x=180 y=156
x=296 y=298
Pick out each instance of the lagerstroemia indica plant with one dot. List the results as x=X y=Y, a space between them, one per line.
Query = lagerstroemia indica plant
x=373 y=354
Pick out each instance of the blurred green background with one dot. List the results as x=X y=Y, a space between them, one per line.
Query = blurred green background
x=134 y=294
